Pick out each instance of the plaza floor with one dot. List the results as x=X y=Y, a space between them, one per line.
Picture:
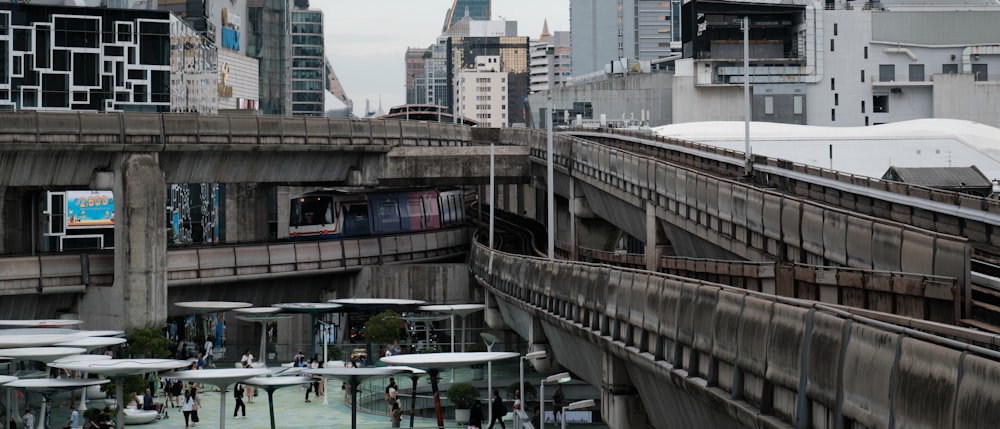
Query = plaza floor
x=291 y=410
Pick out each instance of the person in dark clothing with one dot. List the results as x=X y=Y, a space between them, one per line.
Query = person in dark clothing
x=238 y=394
x=476 y=415
x=499 y=410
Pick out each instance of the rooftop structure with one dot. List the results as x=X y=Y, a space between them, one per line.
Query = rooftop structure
x=475 y=9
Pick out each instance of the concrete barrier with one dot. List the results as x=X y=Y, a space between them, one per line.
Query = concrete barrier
x=752 y=357
x=978 y=398
x=926 y=383
x=826 y=346
x=784 y=359
x=252 y=260
x=868 y=367
x=859 y=242
x=886 y=253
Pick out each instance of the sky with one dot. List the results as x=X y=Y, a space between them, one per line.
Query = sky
x=366 y=40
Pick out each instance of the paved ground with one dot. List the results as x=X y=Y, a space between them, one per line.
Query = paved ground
x=291 y=410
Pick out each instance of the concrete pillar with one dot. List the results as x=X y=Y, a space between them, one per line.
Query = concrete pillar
x=573 y=202
x=652 y=257
x=138 y=297
x=620 y=403
x=247 y=212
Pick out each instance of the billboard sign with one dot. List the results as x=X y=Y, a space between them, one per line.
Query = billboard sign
x=90 y=209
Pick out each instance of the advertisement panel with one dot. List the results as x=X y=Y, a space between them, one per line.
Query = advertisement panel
x=90 y=209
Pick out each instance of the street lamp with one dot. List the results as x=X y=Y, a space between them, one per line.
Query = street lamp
x=557 y=378
x=578 y=405
x=490 y=340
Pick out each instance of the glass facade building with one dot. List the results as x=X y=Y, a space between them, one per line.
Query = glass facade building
x=66 y=58
x=478 y=10
x=268 y=23
x=513 y=53
x=308 y=63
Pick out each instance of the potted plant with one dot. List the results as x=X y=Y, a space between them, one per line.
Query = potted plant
x=463 y=395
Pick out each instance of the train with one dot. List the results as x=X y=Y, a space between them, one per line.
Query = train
x=334 y=214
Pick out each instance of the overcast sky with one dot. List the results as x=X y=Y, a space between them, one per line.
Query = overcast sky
x=366 y=40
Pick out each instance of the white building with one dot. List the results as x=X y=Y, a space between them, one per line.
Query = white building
x=481 y=92
x=550 y=61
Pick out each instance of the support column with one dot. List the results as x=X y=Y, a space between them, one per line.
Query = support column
x=139 y=295
x=573 y=203
x=652 y=256
x=246 y=212
x=620 y=403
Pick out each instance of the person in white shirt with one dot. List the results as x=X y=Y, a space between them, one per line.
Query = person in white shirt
x=28 y=418
x=208 y=353
x=247 y=359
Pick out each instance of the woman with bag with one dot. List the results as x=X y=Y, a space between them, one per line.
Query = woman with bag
x=195 y=405
x=186 y=404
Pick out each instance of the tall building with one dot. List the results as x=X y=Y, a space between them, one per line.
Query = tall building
x=308 y=63
x=513 y=53
x=415 y=59
x=222 y=23
x=71 y=58
x=479 y=10
x=481 y=92
x=606 y=30
x=268 y=32
x=550 y=60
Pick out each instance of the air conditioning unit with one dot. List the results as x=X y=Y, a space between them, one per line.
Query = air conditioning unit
x=896 y=90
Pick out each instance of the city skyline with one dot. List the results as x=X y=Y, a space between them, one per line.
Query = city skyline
x=368 y=54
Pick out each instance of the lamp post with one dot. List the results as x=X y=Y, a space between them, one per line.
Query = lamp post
x=578 y=405
x=562 y=377
x=490 y=340
x=537 y=354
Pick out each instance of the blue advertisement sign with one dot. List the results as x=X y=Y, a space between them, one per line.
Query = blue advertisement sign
x=89 y=209
x=231 y=38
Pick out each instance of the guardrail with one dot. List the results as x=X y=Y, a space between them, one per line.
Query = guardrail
x=74 y=273
x=45 y=131
x=782 y=359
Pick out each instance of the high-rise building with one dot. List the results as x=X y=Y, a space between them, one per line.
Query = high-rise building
x=308 y=63
x=479 y=10
x=71 y=58
x=415 y=58
x=550 y=60
x=606 y=30
x=268 y=41
x=481 y=92
x=513 y=53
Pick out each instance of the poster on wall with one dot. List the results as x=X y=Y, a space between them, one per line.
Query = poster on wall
x=90 y=209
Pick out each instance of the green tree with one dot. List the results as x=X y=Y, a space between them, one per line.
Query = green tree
x=383 y=328
x=146 y=342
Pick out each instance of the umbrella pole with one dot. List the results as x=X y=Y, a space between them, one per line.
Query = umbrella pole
x=270 y=405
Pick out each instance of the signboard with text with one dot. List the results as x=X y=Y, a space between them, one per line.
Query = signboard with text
x=90 y=209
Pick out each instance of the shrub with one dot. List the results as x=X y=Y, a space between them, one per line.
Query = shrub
x=463 y=395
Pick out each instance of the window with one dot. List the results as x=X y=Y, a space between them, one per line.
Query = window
x=916 y=72
x=769 y=105
x=834 y=29
x=862 y=106
x=980 y=71
x=831 y=45
x=797 y=104
x=862 y=75
x=833 y=115
x=833 y=84
x=886 y=73
x=866 y=52
x=880 y=103
x=836 y=99
x=949 y=68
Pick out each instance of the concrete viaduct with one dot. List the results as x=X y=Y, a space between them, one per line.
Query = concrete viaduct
x=666 y=352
